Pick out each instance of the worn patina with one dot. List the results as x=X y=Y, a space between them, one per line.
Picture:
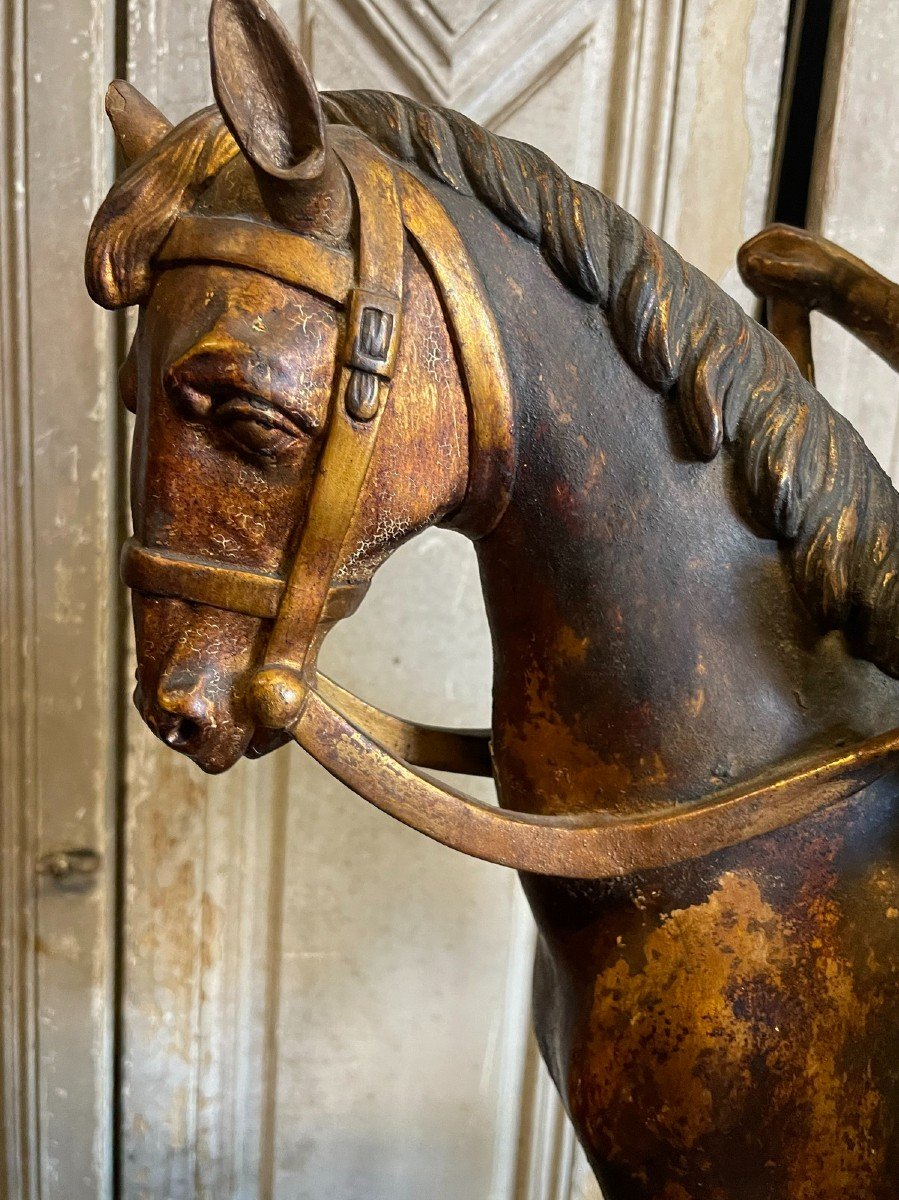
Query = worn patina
x=360 y=317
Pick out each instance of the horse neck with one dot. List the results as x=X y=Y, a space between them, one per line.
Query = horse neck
x=648 y=643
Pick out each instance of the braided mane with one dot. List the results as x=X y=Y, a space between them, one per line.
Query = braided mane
x=809 y=477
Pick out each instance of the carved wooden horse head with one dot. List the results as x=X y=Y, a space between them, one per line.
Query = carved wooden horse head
x=360 y=317
x=322 y=378
x=282 y=304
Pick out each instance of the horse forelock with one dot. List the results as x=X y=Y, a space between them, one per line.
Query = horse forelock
x=809 y=477
x=144 y=203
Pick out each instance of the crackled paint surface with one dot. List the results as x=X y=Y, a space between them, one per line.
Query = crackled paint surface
x=739 y=1034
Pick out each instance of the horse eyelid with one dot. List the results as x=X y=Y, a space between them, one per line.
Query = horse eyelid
x=202 y=387
x=304 y=421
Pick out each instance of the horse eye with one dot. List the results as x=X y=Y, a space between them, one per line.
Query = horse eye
x=255 y=425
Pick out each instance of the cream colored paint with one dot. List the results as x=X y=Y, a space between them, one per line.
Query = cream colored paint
x=718 y=153
x=57 y=606
x=855 y=199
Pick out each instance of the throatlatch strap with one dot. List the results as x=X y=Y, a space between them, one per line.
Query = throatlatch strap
x=479 y=350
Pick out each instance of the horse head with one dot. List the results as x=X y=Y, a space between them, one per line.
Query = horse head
x=291 y=344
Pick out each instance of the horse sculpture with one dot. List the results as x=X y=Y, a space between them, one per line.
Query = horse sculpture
x=360 y=317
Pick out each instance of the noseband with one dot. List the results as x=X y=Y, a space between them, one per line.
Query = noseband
x=372 y=752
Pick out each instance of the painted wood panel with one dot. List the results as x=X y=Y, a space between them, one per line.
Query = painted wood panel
x=722 y=128
x=316 y=1001
x=57 y=605
x=855 y=198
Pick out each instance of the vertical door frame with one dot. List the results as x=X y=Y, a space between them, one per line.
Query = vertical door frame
x=58 y=619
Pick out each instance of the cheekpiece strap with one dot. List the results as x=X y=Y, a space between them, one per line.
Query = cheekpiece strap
x=373 y=330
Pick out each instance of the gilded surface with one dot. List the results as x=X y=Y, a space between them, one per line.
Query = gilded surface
x=739 y=1034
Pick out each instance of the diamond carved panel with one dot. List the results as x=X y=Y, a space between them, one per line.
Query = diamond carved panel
x=445 y=48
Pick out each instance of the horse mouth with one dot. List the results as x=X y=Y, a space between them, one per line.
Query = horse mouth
x=213 y=755
x=217 y=755
x=264 y=741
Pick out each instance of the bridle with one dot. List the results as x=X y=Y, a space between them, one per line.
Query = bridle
x=373 y=753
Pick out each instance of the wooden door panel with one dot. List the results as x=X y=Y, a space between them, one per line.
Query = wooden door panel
x=854 y=200
x=58 y=663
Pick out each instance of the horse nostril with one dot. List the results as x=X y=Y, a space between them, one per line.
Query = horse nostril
x=183 y=733
x=187 y=709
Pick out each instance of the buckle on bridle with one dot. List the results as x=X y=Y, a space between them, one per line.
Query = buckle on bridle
x=372 y=342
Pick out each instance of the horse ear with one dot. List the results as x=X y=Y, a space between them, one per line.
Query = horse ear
x=271 y=105
x=265 y=91
x=138 y=125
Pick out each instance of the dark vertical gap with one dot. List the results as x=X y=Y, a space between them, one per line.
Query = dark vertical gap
x=119 y=667
x=803 y=78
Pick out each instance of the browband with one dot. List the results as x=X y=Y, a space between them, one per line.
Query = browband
x=300 y=261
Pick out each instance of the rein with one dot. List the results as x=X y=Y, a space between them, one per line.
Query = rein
x=373 y=753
